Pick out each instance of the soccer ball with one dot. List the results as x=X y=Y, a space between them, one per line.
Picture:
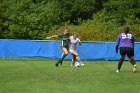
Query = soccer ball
x=77 y=64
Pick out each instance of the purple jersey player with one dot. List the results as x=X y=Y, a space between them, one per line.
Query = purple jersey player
x=125 y=40
x=126 y=43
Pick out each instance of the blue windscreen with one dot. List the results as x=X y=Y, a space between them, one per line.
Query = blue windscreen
x=52 y=49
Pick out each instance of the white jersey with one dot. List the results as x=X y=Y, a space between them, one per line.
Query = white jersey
x=73 y=43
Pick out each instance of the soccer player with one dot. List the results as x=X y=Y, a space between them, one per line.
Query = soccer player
x=126 y=43
x=64 y=45
x=72 y=48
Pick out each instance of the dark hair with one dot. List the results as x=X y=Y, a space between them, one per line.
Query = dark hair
x=126 y=29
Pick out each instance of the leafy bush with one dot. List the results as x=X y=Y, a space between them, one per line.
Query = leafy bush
x=94 y=20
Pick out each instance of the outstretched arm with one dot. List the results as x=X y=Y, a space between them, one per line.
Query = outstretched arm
x=53 y=36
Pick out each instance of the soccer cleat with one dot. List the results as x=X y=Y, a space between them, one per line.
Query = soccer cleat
x=72 y=65
x=134 y=69
x=82 y=64
x=56 y=65
x=60 y=63
x=117 y=71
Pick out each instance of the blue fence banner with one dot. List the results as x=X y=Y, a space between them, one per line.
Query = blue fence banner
x=52 y=49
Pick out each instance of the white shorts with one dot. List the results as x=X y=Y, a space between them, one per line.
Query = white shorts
x=70 y=50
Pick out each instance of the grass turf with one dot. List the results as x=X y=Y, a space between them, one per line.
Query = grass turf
x=41 y=76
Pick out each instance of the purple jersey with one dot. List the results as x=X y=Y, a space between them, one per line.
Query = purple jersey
x=125 y=40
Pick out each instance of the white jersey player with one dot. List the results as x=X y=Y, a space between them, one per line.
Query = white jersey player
x=72 y=48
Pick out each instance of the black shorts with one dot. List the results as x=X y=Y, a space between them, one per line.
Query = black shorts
x=127 y=51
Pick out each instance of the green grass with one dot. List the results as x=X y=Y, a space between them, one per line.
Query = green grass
x=41 y=76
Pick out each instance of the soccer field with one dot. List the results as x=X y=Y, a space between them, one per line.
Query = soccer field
x=41 y=76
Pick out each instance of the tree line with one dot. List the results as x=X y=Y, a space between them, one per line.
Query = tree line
x=35 y=19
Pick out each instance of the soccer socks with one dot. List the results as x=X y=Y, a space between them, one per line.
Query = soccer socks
x=73 y=62
x=78 y=58
x=133 y=62
x=120 y=64
x=81 y=63
x=61 y=59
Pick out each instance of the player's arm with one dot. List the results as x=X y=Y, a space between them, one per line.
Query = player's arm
x=133 y=41
x=78 y=40
x=117 y=43
x=53 y=36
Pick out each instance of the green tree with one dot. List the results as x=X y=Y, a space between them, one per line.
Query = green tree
x=122 y=11
x=77 y=10
x=26 y=20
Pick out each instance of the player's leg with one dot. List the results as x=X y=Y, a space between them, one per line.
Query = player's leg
x=76 y=54
x=65 y=53
x=77 y=57
x=122 y=57
x=120 y=63
x=73 y=57
x=130 y=55
x=73 y=60
x=132 y=61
